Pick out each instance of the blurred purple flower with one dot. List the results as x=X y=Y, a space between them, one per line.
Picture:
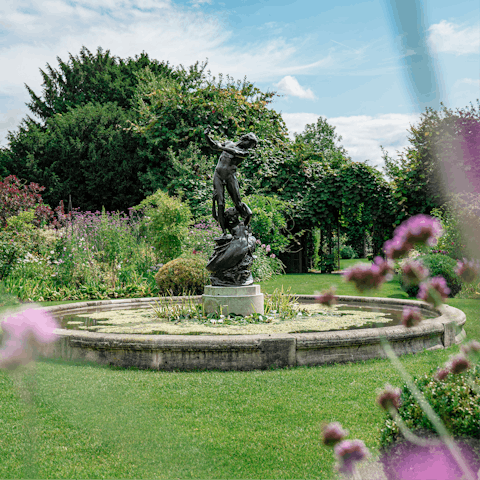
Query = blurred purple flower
x=383 y=267
x=333 y=433
x=408 y=461
x=414 y=272
x=434 y=291
x=349 y=452
x=441 y=374
x=268 y=248
x=458 y=364
x=418 y=230
x=272 y=255
x=23 y=333
x=468 y=270
x=327 y=297
x=365 y=277
x=389 y=397
x=396 y=248
x=411 y=316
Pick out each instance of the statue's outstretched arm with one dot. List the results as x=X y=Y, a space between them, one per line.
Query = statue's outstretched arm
x=212 y=143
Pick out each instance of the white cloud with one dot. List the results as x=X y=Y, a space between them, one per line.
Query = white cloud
x=362 y=135
x=9 y=121
x=471 y=81
x=198 y=3
x=39 y=31
x=290 y=86
x=452 y=38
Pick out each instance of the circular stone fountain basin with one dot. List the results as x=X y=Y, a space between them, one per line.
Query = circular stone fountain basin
x=204 y=350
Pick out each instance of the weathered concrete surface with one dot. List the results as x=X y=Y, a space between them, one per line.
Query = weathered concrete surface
x=248 y=352
x=244 y=300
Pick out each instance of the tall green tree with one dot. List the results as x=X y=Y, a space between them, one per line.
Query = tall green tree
x=442 y=158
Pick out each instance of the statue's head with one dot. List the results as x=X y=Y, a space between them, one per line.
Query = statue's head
x=249 y=140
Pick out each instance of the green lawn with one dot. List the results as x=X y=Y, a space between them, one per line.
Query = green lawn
x=88 y=421
x=311 y=283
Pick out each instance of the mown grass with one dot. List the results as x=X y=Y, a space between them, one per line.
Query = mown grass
x=311 y=283
x=89 y=421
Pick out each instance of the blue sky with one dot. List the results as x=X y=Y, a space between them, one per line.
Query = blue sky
x=338 y=59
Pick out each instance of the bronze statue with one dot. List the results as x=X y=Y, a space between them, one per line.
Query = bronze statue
x=233 y=256
x=232 y=155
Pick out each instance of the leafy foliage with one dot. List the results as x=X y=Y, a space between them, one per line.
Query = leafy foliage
x=455 y=400
x=439 y=265
x=165 y=223
x=269 y=221
x=444 y=148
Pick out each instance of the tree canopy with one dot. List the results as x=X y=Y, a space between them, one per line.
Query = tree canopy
x=442 y=158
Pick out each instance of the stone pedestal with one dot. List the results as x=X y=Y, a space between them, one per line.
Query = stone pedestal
x=243 y=300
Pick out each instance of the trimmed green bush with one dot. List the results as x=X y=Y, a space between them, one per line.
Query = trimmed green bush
x=439 y=265
x=456 y=400
x=183 y=275
x=347 y=252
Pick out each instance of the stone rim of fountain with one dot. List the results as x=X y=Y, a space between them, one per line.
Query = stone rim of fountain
x=248 y=352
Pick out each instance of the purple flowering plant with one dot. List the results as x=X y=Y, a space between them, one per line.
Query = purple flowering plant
x=420 y=230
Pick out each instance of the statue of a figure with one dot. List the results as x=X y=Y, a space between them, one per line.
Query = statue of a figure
x=233 y=255
x=232 y=155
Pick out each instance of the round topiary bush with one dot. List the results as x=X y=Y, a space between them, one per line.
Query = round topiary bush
x=184 y=275
x=439 y=265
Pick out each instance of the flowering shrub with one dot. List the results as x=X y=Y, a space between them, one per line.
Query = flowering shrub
x=16 y=197
x=438 y=265
x=200 y=238
x=455 y=399
x=266 y=264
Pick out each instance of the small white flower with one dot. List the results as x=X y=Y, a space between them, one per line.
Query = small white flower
x=212 y=320
x=52 y=252
x=221 y=320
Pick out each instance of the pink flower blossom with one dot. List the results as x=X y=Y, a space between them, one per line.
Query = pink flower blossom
x=441 y=374
x=23 y=333
x=383 y=267
x=458 y=364
x=263 y=245
x=333 y=433
x=258 y=242
x=434 y=291
x=389 y=397
x=268 y=248
x=272 y=255
x=349 y=452
x=418 y=230
x=468 y=271
x=327 y=297
x=396 y=248
x=365 y=277
x=411 y=316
